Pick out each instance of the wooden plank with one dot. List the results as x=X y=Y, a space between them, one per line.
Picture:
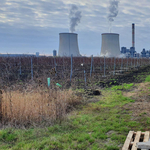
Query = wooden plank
x=128 y=140
x=136 y=140
x=146 y=136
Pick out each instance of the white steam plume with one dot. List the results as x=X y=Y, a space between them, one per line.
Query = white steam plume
x=75 y=17
x=113 y=11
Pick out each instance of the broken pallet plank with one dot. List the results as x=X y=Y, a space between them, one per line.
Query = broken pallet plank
x=128 y=140
x=146 y=136
x=137 y=139
x=146 y=143
x=133 y=138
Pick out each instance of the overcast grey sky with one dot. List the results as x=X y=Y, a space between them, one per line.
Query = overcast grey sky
x=29 y=26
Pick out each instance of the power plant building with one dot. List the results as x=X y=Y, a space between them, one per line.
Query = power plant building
x=68 y=45
x=54 y=53
x=110 y=45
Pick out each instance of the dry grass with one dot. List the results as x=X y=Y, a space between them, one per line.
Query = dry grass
x=36 y=107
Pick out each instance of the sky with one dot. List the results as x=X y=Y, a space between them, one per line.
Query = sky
x=30 y=26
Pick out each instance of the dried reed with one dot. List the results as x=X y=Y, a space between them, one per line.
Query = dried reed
x=36 y=107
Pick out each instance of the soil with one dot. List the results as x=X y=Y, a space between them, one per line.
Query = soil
x=129 y=77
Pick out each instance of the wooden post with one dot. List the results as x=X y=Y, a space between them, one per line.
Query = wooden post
x=134 y=62
x=104 y=66
x=91 y=65
x=131 y=62
x=127 y=63
x=85 y=78
x=114 y=65
x=71 y=67
x=121 y=63
x=31 y=70
x=55 y=65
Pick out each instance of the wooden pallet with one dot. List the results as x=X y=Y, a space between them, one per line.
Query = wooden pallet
x=135 y=137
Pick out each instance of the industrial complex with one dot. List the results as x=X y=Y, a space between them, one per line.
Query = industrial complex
x=110 y=47
x=132 y=52
x=68 y=45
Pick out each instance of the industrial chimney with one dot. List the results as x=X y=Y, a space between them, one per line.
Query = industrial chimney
x=133 y=35
x=110 y=45
x=68 y=44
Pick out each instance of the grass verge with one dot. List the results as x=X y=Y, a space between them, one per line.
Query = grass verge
x=103 y=125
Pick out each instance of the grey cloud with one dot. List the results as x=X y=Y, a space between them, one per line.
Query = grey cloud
x=40 y=14
x=32 y=13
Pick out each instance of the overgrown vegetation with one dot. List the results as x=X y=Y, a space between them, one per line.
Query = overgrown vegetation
x=88 y=129
x=38 y=117
x=103 y=125
x=36 y=107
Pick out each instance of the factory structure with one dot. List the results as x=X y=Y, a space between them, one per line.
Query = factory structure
x=68 y=45
x=110 y=46
x=130 y=53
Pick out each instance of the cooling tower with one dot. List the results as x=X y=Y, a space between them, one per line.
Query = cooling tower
x=68 y=44
x=110 y=45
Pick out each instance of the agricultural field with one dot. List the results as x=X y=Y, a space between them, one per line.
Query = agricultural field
x=90 y=103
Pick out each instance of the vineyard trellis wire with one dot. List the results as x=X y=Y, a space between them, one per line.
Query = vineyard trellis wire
x=83 y=68
x=24 y=74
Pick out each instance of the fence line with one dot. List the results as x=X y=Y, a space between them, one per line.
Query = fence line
x=12 y=67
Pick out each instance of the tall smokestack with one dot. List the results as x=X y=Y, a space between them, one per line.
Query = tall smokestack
x=133 y=35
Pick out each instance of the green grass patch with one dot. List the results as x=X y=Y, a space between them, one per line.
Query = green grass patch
x=147 y=79
x=80 y=90
x=114 y=98
x=122 y=87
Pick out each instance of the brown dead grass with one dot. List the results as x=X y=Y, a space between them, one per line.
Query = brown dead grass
x=37 y=106
x=141 y=95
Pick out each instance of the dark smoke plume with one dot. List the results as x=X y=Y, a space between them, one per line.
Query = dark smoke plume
x=113 y=11
x=75 y=17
